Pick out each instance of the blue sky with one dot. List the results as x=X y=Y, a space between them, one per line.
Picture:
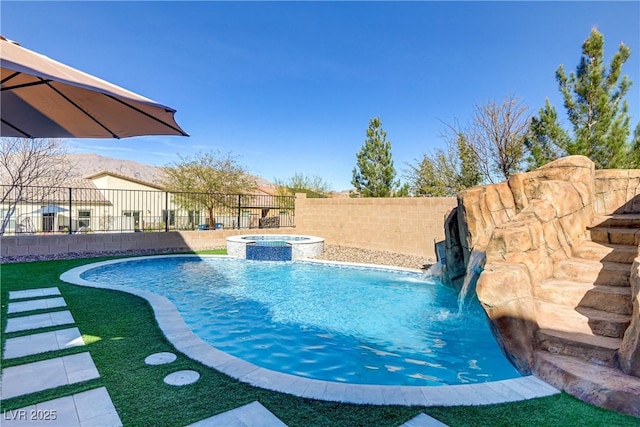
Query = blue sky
x=291 y=86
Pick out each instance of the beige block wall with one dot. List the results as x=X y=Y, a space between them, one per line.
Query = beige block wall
x=53 y=244
x=403 y=225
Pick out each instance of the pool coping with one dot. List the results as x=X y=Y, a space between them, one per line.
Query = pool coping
x=178 y=333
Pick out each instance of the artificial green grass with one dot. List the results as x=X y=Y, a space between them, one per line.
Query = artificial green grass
x=120 y=331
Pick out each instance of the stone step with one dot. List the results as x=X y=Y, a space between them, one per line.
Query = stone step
x=600 y=273
x=590 y=348
x=602 y=386
x=607 y=252
x=616 y=235
x=617 y=220
x=613 y=299
x=582 y=320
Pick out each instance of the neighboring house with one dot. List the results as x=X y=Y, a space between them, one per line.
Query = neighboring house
x=49 y=209
x=136 y=204
x=107 y=202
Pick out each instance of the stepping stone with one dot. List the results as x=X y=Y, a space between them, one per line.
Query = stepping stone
x=89 y=408
x=46 y=374
x=95 y=408
x=181 y=378
x=35 y=321
x=35 y=304
x=423 y=420
x=42 y=342
x=160 y=358
x=34 y=293
x=250 y=415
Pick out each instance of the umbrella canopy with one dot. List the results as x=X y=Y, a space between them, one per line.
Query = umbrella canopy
x=49 y=209
x=43 y=98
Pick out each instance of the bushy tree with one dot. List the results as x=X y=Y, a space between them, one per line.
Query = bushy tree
x=311 y=185
x=496 y=136
x=445 y=172
x=374 y=174
x=593 y=98
x=208 y=180
x=489 y=149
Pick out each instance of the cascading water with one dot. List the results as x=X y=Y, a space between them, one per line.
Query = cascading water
x=435 y=270
x=474 y=268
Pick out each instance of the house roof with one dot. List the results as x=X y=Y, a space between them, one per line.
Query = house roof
x=125 y=177
x=83 y=191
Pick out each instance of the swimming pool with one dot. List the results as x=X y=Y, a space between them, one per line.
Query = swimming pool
x=328 y=322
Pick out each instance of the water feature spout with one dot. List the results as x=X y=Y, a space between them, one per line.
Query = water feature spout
x=475 y=266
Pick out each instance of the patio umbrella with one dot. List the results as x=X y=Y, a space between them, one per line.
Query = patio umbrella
x=49 y=209
x=43 y=98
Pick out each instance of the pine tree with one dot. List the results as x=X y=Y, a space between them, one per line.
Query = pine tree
x=470 y=175
x=633 y=157
x=374 y=173
x=544 y=137
x=594 y=101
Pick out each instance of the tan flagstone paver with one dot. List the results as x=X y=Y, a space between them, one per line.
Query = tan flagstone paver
x=46 y=374
x=35 y=304
x=43 y=342
x=250 y=415
x=92 y=408
x=35 y=321
x=34 y=293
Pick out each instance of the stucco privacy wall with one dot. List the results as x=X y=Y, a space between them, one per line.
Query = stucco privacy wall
x=408 y=225
x=404 y=225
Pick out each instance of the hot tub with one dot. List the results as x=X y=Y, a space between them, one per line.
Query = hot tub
x=274 y=247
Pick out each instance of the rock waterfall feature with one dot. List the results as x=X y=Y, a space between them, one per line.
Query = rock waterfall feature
x=561 y=283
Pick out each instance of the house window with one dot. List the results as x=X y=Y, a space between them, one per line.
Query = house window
x=131 y=220
x=8 y=223
x=194 y=218
x=84 y=219
x=169 y=217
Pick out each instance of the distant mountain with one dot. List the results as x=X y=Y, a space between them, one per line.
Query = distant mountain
x=84 y=165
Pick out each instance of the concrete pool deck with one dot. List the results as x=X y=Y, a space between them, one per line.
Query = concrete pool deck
x=177 y=332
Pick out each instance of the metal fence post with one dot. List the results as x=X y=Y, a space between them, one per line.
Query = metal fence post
x=70 y=211
x=239 y=208
x=166 y=215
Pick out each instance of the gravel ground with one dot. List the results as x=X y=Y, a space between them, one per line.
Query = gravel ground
x=331 y=253
x=368 y=256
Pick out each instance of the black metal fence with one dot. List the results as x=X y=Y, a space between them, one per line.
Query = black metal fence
x=70 y=210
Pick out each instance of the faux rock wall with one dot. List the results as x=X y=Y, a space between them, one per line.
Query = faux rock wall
x=479 y=210
x=629 y=354
x=524 y=226
x=617 y=191
x=554 y=206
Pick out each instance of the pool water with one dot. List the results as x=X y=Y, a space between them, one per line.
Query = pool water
x=323 y=321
